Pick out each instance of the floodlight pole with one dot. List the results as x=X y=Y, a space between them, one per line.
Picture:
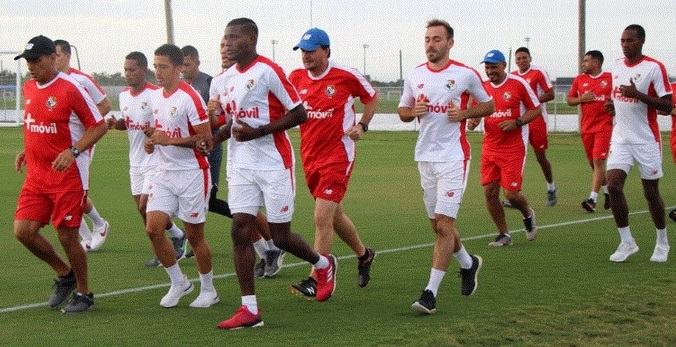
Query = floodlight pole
x=581 y=41
x=170 y=21
x=365 y=47
x=274 y=42
x=77 y=56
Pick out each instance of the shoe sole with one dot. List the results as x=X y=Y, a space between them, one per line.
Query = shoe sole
x=422 y=309
x=213 y=302
x=89 y=309
x=280 y=261
x=297 y=292
x=588 y=208
x=500 y=244
x=259 y=324
x=476 y=275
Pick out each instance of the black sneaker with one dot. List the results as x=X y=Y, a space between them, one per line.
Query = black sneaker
x=259 y=269
x=501 y=240
x=63 y=286
x=427 y=304
x=364 y=268
x=589 y=205
x=273 y=262
x=306 y=288
x=606 y=202
x=469 y=281
x=79 y=303
x=531 y=226
x=672 y=215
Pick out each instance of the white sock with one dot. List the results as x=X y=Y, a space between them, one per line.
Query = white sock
x=175 y=231
x=322 y=263
x=435 y=280
x=95 y=217
x=207 y=282
x=175 y=274
x=625 y=235
x=250 y=302
x=463 y=258
x=271 y=245
x=605 y=189
x=551 y=186
x=662 y=237
x=260 y=247
x=84 y=231
x=594 y=196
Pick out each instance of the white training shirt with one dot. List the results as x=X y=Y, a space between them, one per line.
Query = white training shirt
x=89 y=84
x=439 y=139
x=138 y=116
x=634 y=121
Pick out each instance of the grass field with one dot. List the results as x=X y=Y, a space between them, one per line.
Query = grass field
x=559 y=290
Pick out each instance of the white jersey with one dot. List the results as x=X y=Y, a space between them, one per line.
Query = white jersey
x=88 y=83
x=258 y=95
x=138 y=116
x=440 y=140
x=634 y=121
x=175 y=115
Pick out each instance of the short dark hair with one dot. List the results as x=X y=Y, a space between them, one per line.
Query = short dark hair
x=64 y=45
x=172 y=52
x=248 y=25
x=522 y=49
x=596 y=55
x=190 y=51
x=640 y=32
x=438 y=22
x=139 y=58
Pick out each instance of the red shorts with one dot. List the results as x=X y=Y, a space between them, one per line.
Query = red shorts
x=596 y=145
x=537 y=134
x=64 y=208
x=505 y=167
x=329 y=182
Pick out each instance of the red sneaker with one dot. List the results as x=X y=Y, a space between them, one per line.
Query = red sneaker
x=326 y=279
x=243 y=318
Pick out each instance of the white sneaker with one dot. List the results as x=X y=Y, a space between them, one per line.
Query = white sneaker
x=99 y=236
x=660 y=254
x=176 y=292
x=206 y=299
x=624 y=250
x=86 y=245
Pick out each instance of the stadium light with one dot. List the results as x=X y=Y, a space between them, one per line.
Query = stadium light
x=365 y=47
x=274 y=42
x=527 y=39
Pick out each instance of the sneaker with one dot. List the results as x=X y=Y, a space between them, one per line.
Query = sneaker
x=273 y=262
x=606 y=202
x=190 y=254
x=506 y=203
x=243 y=318
x=326 y=279
x=86 y=245
x=589 y=205
x=469 y=281
x=79 y=303
x=501 y=240
x=63 y=286
x=306 y=288
x=179 y=246
x=624 y=250
x=427 y=304
x=551 y=197
x=672 y=215
x=660 y=253
x=259 y=269
x=531 y=227
x=153 y=262
x=206 y=299
x=176 y=292
x=364 y=268
x=99 y=235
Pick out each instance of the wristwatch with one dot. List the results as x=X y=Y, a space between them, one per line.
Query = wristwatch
x=364 y=126
x=519 y=122
x=75 y=151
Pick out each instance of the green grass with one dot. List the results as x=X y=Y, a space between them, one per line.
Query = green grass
x=559 y=290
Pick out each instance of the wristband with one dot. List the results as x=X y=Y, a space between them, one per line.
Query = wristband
x=364 y=126
x=261 y=130
x=519 y=122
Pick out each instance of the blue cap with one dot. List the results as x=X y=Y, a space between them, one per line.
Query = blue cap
x=312 y=39
x=494 y=57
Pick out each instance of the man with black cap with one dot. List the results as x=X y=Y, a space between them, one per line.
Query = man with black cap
x=503 y=152
x=328 y=146
x=57 y=170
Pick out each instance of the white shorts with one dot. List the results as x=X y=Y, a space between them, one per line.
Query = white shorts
x=443 y=185
x=183 y=194
x=141 y=178
x=647 y=156
x=249 y=190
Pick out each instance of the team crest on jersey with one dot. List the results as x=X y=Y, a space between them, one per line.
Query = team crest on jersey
x=506 y=96
x=330 y=90
x=451 y=85
x=144 y=106
x=604 y=84
x=250 y=85
x=528 y=80
x=636 y=78
x=51 y=102
x=173 y=111
x=421 y=85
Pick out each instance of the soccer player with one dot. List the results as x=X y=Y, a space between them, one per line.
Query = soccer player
x=137 y=119
x=539 y=81
x=328 y=146
x=640 y=87
x=181 y=184
x=504 y=148
x=90 y=241
x=436 y=94
x=271 y=256
x=61 y=122
x=672 y=214
x=262 y=104
x=591 y=90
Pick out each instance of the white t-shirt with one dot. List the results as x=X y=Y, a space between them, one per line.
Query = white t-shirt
x=138 y=116
x=89 y=84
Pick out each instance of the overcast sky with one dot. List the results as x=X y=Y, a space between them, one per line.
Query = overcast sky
x=104 y=31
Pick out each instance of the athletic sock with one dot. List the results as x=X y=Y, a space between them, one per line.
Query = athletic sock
x=625 y=235
x=271 y=245
x=84 y=231
x=260 y=247
x=594 y=196
x=250 y=302
x=95 y=217
x=463 y=258
x=551 y=186
x=207 y=281
x=175 y=231
x=175 y=274
x=322 y=263
x=605 y=189
x=662 y=237
x=435 y=280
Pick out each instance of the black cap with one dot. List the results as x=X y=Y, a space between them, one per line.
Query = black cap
x=37 y=46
